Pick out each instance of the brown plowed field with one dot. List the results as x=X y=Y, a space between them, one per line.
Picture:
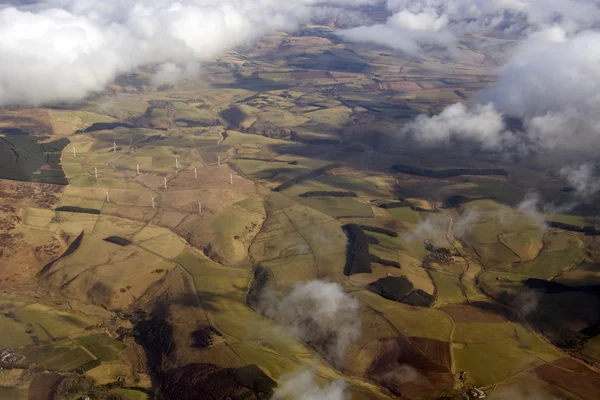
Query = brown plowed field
x=584 y=386
x=470 y=314
x=437 y=350
x=572 y=365
x=36 y=121
x=43 y=386
x=401 y=368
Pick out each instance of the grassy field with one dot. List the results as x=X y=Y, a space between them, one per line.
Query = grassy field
x=493 y=352
x=592 y=348
x=10 y=393
x=43 y=322
x=410 y=321
x=131 y=394
x=562 y=252
x=108 y=372
x=448 y=288
x=526 y=245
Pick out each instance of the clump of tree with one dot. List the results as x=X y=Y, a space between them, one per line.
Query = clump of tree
x=75 y=386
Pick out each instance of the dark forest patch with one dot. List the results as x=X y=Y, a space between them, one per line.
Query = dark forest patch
x=447 y=173
x=419 y=298
x=323 y=193
x=377 y=229
x=13 y=132
x=117 y=240
x=358 y=258
x=208 y=381
x=26 y=158
x=72 y=247
x=233 y=116
x=588 y=230
x=100 y=126
x=395 y=204
x=155 y=335
x=263 y=280
x=204 y=337
x=461 y=95
x=78 y=210
x=383 y=261
x=391 y=287
x=400 y=289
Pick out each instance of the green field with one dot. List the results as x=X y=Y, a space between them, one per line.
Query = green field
x=102 y=346
x=68 y=360
x=448 y=288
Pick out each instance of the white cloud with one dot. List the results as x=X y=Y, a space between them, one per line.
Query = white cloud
x=319 y=313
x=170 y=73
x=426 y=20
x=417 y=24
x=480 y=123
x=64 y=49
x=406 y=40
x=303 y=386
x=550 y=83
x=466 y=221
x=583 y=178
